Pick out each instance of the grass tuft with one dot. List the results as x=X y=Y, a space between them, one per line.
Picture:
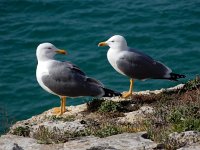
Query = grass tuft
x=94 y=105
x=60 y=118
x=108 y=129
x=192 y=84
x=109 y=106
x=46 y=136
x=22 y=131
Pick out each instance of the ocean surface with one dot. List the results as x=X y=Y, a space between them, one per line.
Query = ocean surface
x=167 y=30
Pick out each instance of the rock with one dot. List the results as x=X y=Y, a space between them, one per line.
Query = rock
x=72 y=126
x=185 y=138
x=138 y=115
x=17 y=147
x=13 y=142
x=195 y=146
x=128 y=141
x=49 y=121
x=147 y=92
x=77 y=119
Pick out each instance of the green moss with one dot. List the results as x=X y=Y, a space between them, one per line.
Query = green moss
x=109 y=106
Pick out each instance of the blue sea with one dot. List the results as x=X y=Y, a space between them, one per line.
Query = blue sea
x=167 y=30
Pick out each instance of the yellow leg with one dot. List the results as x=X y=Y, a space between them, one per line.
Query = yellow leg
x=60 y=110
x=64 y=104
x=129 y=93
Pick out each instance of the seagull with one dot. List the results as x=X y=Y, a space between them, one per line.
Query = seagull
x=135 y=64
x=65 y=79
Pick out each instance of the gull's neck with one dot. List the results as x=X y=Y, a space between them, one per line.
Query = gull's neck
x=119 y=49
x=44 y=58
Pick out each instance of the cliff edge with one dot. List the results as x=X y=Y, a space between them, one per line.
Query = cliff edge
x=160 y=119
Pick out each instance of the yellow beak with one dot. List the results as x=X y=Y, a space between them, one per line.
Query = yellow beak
x=60 y=51
x=102 y=44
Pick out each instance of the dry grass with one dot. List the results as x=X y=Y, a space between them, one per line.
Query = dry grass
x=46 y=136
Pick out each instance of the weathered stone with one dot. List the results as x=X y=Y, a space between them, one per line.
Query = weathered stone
x=13 y=142
x=72 y=126
x=185 y=138
x=195 y=146
x=138 y=115
x=128 y=141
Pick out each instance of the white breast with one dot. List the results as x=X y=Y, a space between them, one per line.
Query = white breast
x=113 y=56
x=42 y=69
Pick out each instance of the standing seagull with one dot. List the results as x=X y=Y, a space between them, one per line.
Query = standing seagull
x=135 y=64
x=65 y=79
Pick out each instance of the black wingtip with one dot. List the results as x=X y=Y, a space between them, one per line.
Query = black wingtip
x=175 y=77
x=111 y=93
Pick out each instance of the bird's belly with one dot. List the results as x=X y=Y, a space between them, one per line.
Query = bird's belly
x=112 y=60
x=39 y=73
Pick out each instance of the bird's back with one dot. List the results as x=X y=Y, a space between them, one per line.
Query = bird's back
x=138 y=65
x=66 y=79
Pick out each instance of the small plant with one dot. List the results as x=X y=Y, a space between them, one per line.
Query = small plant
x=46 y=136
x=94 y=105
x=69 y=118
x=22 y=131
x=176 y=115
x=108 y=129
x=54 y=118
x=66 y=118
x=192 y=84
x=109 y=106
x=103 y=131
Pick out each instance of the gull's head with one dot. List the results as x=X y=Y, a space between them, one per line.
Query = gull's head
x=48 y=51
x=115 y=42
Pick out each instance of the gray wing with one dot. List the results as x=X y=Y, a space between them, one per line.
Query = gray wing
x=66 y=79
x=138 y=65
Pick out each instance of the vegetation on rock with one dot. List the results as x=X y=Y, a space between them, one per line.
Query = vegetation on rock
x=22 y=131
x=173 y=111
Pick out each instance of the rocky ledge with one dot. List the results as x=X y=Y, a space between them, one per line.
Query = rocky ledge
x=161 y=119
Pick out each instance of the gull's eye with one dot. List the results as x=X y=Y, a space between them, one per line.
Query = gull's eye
x=112 y=41
x=49 y=47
